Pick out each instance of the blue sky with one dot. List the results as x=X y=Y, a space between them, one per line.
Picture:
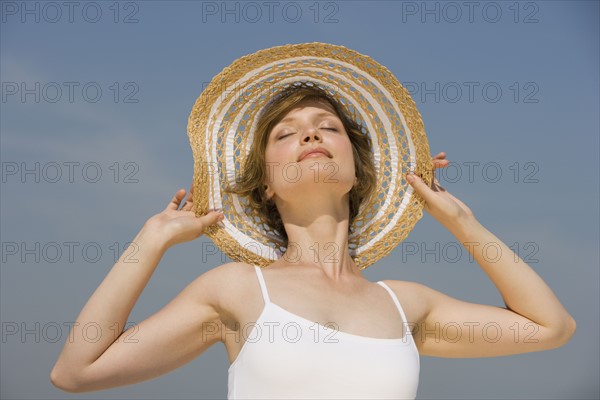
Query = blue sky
x=540 y=131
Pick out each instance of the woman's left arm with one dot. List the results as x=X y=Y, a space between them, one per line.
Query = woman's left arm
x=523 y=290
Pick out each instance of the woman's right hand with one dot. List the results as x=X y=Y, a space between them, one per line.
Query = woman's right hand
x=178 y=225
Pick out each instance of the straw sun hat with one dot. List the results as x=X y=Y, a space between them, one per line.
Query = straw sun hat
x=222 y=125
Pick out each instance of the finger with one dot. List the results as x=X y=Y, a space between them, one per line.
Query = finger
x=209 y=219
x=189 y=202
x=440 y=156
x=440 y=163
x=420 y=187
x=176 y=200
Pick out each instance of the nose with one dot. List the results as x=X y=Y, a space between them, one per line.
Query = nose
x=311 y=135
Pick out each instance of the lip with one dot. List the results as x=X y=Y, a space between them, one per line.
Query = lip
x=317 y=150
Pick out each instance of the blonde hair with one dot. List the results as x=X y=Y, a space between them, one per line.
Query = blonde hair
x=251 y=182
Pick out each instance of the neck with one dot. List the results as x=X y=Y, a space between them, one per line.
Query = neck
x=318 y=237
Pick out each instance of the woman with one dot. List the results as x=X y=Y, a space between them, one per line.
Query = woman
x=357 y=339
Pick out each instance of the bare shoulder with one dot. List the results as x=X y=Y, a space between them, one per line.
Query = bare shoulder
x=226 y=274
x=413 y=297
x=217 y=284
x=228 y=277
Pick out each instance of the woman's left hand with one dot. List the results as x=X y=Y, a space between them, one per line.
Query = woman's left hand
x=444 y=207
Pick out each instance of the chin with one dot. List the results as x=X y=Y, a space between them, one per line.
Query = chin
x=321 y=170
x=313 y=177
x=315 y=181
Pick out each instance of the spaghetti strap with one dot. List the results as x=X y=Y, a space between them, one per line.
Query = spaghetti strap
x=263 y=286
x=396 y=301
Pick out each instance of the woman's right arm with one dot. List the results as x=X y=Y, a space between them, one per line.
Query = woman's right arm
x=99 y=355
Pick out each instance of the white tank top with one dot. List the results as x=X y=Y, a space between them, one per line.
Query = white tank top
x=285 y=356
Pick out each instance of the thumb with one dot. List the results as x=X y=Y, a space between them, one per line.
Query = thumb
x=420 y=187
x=211 y=218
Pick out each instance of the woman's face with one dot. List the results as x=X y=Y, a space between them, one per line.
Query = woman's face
x=307 y=152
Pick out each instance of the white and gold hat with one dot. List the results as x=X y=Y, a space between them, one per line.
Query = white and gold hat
x=222 y=125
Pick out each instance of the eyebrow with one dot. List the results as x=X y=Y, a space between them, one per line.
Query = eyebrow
x=321 y=114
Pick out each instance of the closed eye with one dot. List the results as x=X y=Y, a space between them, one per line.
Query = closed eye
x=289 y=134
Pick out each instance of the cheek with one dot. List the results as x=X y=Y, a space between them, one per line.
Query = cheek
x=273 y=163
x=342 y=169
x=272 y=155
x=348 y=158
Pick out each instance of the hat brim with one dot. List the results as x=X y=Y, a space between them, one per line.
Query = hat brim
x=222 y=124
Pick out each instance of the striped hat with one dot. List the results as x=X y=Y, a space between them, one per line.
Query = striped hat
x=222 y=126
